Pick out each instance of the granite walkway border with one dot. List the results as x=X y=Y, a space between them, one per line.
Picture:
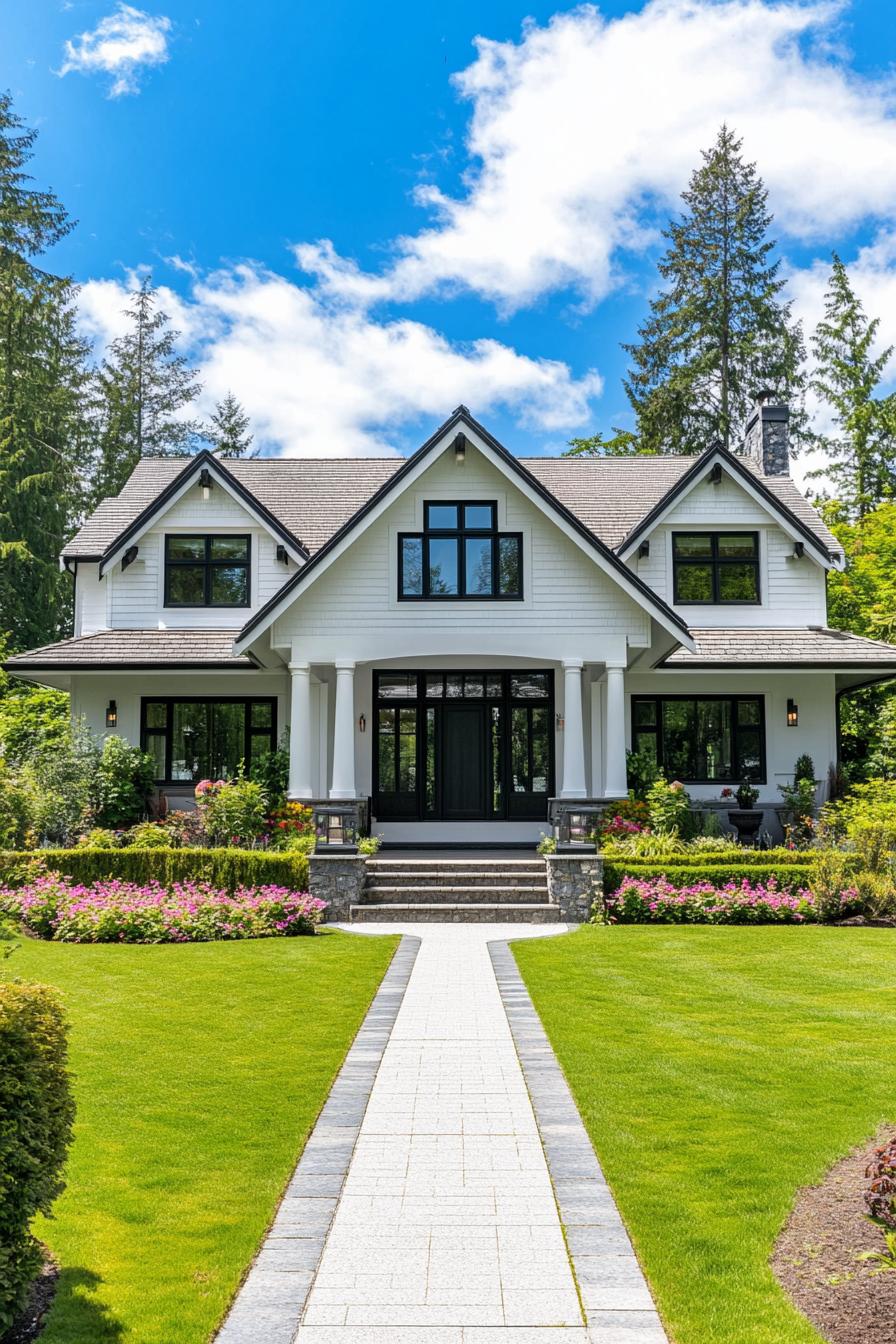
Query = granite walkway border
x=616 y=1300
x=270 y=1302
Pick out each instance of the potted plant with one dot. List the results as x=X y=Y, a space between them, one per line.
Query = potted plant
x=745 y=818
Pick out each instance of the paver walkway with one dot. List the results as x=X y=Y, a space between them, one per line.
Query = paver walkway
x=447 y=1228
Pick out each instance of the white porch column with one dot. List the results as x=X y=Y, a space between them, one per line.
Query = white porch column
x=573 y=735
x=300 y=785
x=616 y=778
x=343 y=785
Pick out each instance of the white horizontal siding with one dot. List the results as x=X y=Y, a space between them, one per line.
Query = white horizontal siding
x=138 y=592
x=569 y=602
x=91 y=593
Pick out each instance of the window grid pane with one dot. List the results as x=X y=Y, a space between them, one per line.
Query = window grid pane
x=716 y=567
x=460 y=554
x=702 y=741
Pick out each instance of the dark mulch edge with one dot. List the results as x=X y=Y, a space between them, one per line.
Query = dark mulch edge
x=30 y=1321
x=815 y=1260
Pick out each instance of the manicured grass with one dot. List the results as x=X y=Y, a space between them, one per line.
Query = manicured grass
x=717 y=1071
x=199 y=1072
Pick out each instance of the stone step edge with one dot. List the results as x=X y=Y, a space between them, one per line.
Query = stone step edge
x=456 y=905
x=433 y=889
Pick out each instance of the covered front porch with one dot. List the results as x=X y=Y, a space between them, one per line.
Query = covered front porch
x=457 y=750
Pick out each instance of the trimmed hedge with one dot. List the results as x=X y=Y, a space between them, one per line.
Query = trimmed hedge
x=711 y=857
x=790 y=876
x=36 y=1115
x=224 y=868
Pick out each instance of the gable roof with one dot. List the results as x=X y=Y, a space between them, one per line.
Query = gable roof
x=108 y=650
x=803 y=646
x=117 y=527
x=514 y=468
x=756 y=485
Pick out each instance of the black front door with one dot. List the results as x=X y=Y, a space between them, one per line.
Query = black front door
x=463 y=746
x=463 y=762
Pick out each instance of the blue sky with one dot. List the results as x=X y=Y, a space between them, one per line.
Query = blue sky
x=490 y=208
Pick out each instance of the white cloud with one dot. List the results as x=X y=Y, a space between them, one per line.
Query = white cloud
x=586 y=125
x=330 y=380
x=121 y=45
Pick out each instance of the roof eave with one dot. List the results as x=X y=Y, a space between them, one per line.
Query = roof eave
x=692 y=476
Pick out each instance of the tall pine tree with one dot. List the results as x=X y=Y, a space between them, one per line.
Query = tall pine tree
x=229 y=429
x=144 y=389
x=720 y=330
x=43 y=423
x=861 y=452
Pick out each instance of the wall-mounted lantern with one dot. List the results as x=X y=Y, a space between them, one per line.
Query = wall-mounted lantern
x=715 y=476
x=798 y=549
x=282 y=555
x=460 y=448
x=793 y=714
x=205 y=480
x=559 y=722
x=362 y=723
x=111 y=715
x=644 y=550
x=128 y=558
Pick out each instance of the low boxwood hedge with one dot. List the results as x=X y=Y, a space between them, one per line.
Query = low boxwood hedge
x=789 y=876
x=37 y=1112
x=707 y=858
x=225 y=868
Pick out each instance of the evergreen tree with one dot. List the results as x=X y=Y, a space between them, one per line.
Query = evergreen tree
x=229 y=429
x=720 y=330
x=43 y=424
x=622 y=443
x=860 y=453
x=144 y=389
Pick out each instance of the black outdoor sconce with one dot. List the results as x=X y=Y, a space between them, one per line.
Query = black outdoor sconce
x=111 y=715
x=205 y=480
x=793 y=714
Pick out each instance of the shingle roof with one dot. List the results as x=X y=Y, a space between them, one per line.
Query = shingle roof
x=313 y=497
x=807 y=645
x=135 y=648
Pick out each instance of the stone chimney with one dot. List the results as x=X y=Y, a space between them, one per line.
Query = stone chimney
x=766 y=437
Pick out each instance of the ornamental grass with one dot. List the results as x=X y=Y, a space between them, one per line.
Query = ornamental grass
x=656 y=901
x=112 y=911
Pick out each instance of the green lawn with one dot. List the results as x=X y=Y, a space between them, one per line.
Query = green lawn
x=199 y=1071
x=717 y=1071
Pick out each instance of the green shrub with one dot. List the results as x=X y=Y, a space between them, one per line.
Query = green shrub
x=790 y=877
x=866 y=805
x=642 y=771
x=100 y=838
x=700 y=858
x=150 y=835
x=804 y=769
x=36 y=1114
x=669 y=807
x=232 y=811
x=227 y=868
x=123 y=784
x=15 y=812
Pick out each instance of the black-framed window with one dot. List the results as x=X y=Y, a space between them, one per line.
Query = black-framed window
x=460 y=554
x=193 y=738
x=706 y=739
x=716 y=567
x=207 y=571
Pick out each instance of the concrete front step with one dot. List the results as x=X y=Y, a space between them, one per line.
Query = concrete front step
x=431 y=894
x=443 y=912
x=462 y=881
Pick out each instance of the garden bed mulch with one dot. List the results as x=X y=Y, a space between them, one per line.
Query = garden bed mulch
x=30 y=1321
x=815 y=1257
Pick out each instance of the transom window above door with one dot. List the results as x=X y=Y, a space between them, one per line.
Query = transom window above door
x=716 y=567
x=460 y=554
x=207 y=571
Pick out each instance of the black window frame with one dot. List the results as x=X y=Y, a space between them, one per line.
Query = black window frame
x=716 y=564
x=208 y=565
x=169 y=701
x=733 y=700
x=461 y=533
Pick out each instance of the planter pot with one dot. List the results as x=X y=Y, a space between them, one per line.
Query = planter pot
x=746 y=821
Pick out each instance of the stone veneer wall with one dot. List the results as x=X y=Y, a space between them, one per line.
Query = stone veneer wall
x=575 y=882
x=337 y=879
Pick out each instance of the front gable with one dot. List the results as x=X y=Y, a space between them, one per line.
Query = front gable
x=462 y=461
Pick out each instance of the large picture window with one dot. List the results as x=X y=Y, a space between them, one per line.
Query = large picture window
x=460 y=554
x=205 y=571
x=716 y=567
x=192 y=739
x=706 y=740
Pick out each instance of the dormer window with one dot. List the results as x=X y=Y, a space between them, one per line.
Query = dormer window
x=207 y=571
x=460 y=554
x=716 y=567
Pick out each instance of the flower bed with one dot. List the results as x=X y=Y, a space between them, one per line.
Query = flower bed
x=655 y=900
x=53 y=907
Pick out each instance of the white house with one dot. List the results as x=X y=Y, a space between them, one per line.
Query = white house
x=463 y=635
